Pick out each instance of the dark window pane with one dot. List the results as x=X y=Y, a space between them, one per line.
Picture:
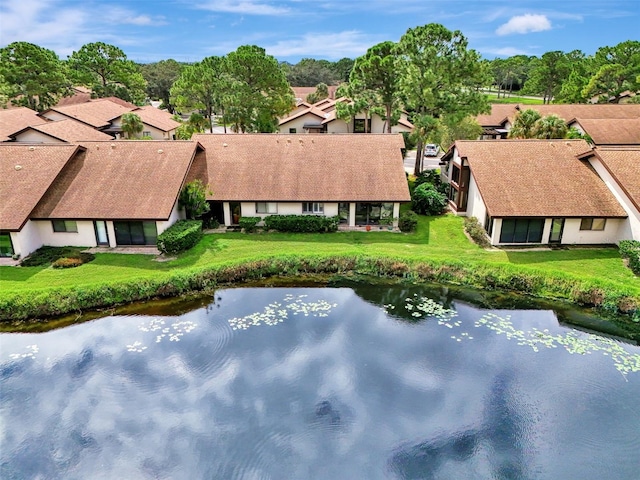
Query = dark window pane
x=150 y=232
x=506 y=233
x=6 y=248
x=137 y=233
x=535 y=231
x=520 y=234
x=122 y=233
x=58 y=225
x=598 y=223
x=585 y=223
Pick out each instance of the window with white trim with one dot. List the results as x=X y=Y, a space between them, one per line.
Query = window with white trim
x=65 y=226
x=313 y=207
x=266 y=207
x=593 y=223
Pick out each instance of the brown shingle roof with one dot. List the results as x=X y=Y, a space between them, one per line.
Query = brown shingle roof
x=302 y=92
x=309 y=167
x=97 y=113
x=156 y=118
x=611 y=131
x=26 y=172
x=501 y=112
x=120 y=180
x=537 y=178
x=624 y=166
x=15 y=119
x=68 y=131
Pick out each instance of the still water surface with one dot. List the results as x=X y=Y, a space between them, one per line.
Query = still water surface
x=319 y=383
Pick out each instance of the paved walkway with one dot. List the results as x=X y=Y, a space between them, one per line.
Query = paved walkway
x=139 y=250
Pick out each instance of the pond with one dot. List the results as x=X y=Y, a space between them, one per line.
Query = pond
x=371 y=382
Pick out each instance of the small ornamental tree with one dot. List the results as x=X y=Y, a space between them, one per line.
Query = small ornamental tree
x=132 y=125
x=193 y=198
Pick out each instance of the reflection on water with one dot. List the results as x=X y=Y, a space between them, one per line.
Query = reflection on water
x=380 y=382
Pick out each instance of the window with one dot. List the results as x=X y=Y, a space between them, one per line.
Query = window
x=455 y=174
x=146 y=134
x=6 y=247
x=292 y=130
x=312 y=207
x=593 y=223
x=64 y=225
x=135 y=233
x=521 y=230
x=266 y=207
x=358 y=125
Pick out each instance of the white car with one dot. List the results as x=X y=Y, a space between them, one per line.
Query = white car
x=431 y=150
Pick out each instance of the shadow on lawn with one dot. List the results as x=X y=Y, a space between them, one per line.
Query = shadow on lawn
x=421 y=236
x=564 y=255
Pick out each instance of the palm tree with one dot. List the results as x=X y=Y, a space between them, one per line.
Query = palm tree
x=131 y=125
x=550 y=126
x=524 y=123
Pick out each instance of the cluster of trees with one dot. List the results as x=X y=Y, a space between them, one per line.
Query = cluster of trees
x=247 y=88
x=572 y=77
x=35 y=77
x=431 y=73
x=309 y=72
x=530 y=123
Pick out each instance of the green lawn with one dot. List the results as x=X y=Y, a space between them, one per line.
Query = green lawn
x=493 y=98
x=437 y=238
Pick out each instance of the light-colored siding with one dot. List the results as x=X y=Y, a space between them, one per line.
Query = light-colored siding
x=299 y=122
x=176 y=214
x=84 y=237
x=26 y=240
x=33 y=136
x=55 y=116
x=573 y=235
x=629 y=228
x=475 y=205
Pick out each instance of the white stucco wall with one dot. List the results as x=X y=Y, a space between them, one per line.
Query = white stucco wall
x=32 y=136
x=573 y=235
x=55 y=116
x=26 y=240
x=629 y=228
x=298 y=123
x=475 y=204
x=84 y=237
x=155 y=133
x=176 y=214
x=339 y=126
x=248 y=209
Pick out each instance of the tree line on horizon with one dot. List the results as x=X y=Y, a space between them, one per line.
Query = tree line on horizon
x=429 y=73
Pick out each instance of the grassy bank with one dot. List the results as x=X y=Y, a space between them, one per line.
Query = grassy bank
x=438 y=252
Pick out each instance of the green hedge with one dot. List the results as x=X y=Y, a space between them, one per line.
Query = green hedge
x=476 y=232
x=180 y=236
x=630 y=249
x=302 y=223
x=601 y=294
x=248 y=224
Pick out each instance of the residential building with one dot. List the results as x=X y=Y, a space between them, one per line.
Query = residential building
x=534 y=192
x=359 y=178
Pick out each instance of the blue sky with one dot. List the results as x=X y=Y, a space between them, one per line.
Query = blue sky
x=189 y=30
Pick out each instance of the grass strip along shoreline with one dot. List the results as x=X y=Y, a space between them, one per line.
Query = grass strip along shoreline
x=438 y=252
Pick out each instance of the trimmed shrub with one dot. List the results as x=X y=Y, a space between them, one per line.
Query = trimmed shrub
x=476 y=232
x=248 y=224
x=427 y=200
x=181 y=236
x=67 y=263
x=302 y=223
x=408 y=221
x=210 y=223
x=630 y=249
x=45 y=256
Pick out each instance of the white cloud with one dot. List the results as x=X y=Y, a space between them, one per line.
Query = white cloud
x=504 y=51
x=328 y=45
x=525 y=24
x=248 y=7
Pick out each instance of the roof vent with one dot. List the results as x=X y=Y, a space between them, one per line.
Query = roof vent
x=288 y=140
x=224 y=144
x=113 y=145
x=32 y=148
x=18 y=167
x=301 y=141
x=160 y=150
